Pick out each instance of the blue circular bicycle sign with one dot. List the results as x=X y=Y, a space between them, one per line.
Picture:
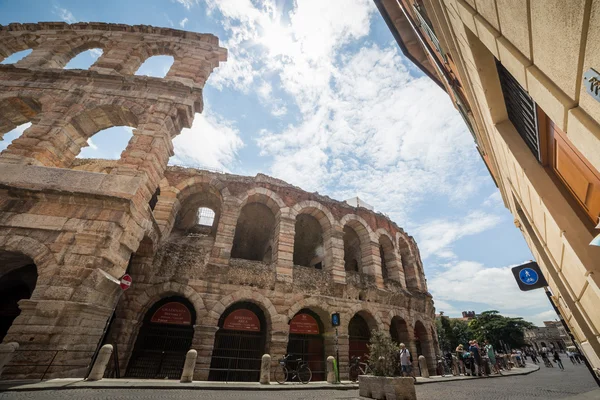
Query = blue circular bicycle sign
x=528 y=276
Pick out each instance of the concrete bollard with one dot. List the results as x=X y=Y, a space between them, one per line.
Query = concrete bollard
x=187 y=375
x=265 y=369
x=331 y=378
x=423 y=365
x=7 y=351
x=99 y=367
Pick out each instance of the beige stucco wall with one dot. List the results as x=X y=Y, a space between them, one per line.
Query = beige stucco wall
x=547 y=47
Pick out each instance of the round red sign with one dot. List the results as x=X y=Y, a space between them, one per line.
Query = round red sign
x=125 y=282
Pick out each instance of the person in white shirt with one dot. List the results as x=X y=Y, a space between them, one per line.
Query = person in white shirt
x=405 y=363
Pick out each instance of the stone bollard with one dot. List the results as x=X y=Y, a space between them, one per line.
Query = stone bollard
x=331 y=378
x=423 y=365
x=7 y=351
x=187 y=375
x=265 y=370
x=99 y=367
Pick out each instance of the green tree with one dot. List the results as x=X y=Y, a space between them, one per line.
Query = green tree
x=452 y=332
x=382 y=354
x=494 y=327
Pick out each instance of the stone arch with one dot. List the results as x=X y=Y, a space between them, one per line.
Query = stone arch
x=399 y=330
x=143 y=51
x=275 y=321
x=407 y=260
x=10 y=44
x=372 y=316
x=65 y=50
x=43 y=258
x=16 y=111
x=425 y=344
x=314 y=304
x=388 y=255
x=358 y=237
x=312 y=216
x=256 y=234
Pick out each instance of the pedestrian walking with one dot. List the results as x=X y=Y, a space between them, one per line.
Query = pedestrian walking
x=460 y=354
x=474 y=350
x=558 y=361
x=406 y=362
x=571 y=357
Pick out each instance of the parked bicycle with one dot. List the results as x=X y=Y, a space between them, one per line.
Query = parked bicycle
x=357 y=368
x=284 y=370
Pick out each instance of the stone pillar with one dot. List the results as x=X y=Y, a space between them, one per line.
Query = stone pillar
x=283 y=256
x=187 y=375
x=204 y=341
x=344 y=361
x=372 y=264
x=278 y=346
x=7 y=351
x=336 y=242
x=331 y=378
x=423 y=365
x=221 y=251
x=265 y=370
x=99 y=367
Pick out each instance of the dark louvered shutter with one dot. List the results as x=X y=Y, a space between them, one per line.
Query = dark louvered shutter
x=521 y=109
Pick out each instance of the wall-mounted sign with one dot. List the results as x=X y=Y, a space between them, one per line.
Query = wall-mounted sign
x=304 y=324
x=172 y=313
x=591 y=81
x=529 y=276
x=242 y=320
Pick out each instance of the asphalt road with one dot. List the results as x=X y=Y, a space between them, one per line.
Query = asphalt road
x=547 y=383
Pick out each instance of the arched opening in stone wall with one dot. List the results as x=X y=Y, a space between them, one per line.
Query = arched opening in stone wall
x=359 y=335
x=308 y=242
x=254 y=233
x=239 y=344
x=12 y=135
x=424 y=345
x=85 y=59
x=108 y=143
x=18 y=277
x=399 y=331
x=156 y=66
x=16 y=57
x=163 y=340
x=352 y=250
x=200 y=212
x=386 y=255
x=407 y=263
x=306 y=342
x=16 y=114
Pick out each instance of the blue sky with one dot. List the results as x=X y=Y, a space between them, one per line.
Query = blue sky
x=318 y=94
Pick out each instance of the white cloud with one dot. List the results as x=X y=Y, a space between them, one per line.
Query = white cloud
x=8 y=137
x=435 y=237
x=494 y=200
x=468 y=281
x=183 y=22
x=91 y=144
x=188 y=4
x=211 y=142
x=538 y=319
x=65 y=14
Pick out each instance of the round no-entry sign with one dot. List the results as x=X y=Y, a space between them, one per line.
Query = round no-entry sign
x=125 y=282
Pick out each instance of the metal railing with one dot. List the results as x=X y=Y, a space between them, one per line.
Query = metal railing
x=425 y=24
x=44 y=360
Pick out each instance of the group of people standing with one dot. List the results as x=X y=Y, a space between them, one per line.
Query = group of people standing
x=479 y=360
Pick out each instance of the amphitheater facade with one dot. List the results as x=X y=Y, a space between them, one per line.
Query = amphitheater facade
x=232 y=266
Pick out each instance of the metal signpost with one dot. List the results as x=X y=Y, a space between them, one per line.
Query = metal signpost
x=530 y=277
x=124 y=284
x=335 y=321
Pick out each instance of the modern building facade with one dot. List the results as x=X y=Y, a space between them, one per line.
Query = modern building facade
x=233 y=267
x=524 y=76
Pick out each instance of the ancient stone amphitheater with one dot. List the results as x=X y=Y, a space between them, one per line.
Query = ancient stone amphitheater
x=232 y=266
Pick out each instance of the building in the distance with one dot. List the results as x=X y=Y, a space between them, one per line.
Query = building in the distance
x=525 y=76
x=231 y=266
x=552 y=336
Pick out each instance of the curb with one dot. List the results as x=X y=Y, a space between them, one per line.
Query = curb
x=125 y=384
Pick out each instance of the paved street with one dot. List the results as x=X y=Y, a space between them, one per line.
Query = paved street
x=544 y=384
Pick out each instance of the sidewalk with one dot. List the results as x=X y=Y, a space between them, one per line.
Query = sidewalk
x=78 y=383
x=593 y=395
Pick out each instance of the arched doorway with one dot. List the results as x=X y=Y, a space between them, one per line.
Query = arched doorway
x=306 y=342
x=359 y=335
x=424 y=345
x=163 y=340
x=239 y=344
x=18 y=276
x=399 y=331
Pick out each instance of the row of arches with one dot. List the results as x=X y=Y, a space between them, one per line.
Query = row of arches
x=156 y=66
x=244 y=334
x=261 y=227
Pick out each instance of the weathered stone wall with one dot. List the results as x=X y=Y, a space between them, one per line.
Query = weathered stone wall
x=80 y=226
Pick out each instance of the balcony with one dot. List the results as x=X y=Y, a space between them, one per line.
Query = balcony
x=425 y=25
